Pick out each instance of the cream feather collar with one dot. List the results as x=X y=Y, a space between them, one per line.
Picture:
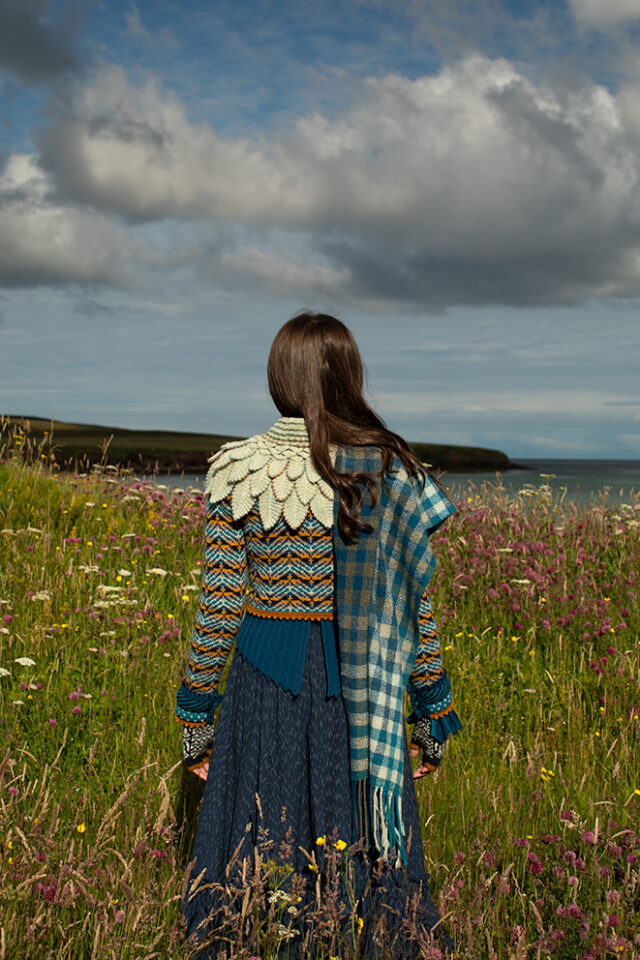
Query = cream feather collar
x=274 y=470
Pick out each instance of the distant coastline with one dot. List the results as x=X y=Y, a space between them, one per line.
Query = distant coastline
x=75 y=446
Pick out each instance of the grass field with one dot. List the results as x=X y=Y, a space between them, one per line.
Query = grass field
x=532 y=823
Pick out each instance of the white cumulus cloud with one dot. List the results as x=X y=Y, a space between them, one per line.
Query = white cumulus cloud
x=45 y=242
x=603 y=13
x=474 y=185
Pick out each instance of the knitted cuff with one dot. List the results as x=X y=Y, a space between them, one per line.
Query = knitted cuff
x=194 y=708
x=431 y=700
x=432 y=751
x=197 y=743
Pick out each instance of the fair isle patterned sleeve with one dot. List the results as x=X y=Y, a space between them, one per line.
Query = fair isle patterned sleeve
x=429 y=686
x=219 y=614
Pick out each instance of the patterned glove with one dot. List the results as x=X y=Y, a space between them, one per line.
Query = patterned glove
x=196 y=744
x=432 y=750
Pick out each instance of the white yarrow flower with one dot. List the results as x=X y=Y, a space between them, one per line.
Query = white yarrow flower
x=4 y=672
x=25 y=661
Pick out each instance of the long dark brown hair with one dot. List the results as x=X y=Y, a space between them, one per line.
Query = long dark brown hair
x=315 y=371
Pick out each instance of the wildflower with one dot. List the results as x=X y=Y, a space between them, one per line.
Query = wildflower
x=74 y=695
x=320 y=842
x=360 y=923
x=4 y=672
x=81 y=828
x=76 y=709
x=340 y=845
x=589 y=837
x=25 y=661
x=535 y=866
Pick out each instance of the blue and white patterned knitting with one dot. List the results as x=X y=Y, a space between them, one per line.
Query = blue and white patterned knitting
x=268 y=574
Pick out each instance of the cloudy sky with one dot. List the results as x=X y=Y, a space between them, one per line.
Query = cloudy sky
x=457 y=180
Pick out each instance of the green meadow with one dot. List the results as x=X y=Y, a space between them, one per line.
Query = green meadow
x=531 y=824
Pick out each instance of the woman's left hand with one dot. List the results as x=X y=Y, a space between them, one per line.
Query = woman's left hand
x=202 y=770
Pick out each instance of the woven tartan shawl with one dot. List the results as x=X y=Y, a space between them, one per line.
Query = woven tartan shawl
x=379 y=582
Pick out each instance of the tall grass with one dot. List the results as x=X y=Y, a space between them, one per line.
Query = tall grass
x=531 y=823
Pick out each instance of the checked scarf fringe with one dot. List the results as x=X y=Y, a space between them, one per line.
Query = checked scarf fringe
x=379 y=582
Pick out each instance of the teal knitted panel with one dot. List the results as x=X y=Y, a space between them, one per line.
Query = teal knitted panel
x=278 y=649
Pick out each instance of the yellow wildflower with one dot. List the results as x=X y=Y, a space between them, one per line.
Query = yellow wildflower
x=340 y=845
x=320 y=842
x=81 y=828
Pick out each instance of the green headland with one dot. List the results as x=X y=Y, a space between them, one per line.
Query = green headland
x=74 y=446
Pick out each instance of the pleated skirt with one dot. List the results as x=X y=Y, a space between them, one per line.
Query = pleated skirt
x=278 y=782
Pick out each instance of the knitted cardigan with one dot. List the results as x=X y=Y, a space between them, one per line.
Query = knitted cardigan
x=268 y=572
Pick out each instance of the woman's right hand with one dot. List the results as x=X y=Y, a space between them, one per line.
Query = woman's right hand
x=423 y=768
x=432 y=750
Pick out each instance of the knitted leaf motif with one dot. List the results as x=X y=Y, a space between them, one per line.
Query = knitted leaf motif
x=277 y=474
x=294 y=510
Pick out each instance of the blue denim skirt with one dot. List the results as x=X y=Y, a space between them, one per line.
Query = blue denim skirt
x=278 y=780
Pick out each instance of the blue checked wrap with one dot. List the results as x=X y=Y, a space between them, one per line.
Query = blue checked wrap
x=379 y=582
